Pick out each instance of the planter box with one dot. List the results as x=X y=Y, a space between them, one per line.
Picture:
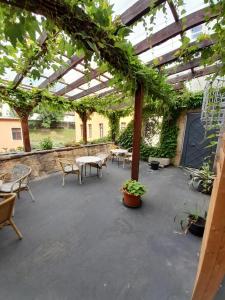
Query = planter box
x=162 y=161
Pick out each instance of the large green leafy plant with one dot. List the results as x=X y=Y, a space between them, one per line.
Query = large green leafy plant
x=134 y=187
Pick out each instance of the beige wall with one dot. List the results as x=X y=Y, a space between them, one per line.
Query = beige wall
x=6 y=139
x=94 y=121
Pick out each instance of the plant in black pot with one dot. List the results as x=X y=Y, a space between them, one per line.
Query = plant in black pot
x=193 y=220
x=202 y=179
x=132 y=192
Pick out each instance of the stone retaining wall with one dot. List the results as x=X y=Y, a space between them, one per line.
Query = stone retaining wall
x=46 y=161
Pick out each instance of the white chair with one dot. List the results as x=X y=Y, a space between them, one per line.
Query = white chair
x=17 y=180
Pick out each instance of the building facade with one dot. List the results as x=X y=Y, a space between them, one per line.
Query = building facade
x=10 y=134
x=97 y=126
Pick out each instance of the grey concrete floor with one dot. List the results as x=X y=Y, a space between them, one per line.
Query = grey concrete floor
x=81 y=243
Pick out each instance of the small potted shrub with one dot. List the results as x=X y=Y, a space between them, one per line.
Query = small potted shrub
x=132 y=192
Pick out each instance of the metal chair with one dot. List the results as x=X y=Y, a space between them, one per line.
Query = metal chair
x=128 y=157
x=17 y=180
x=69 y=167
x=104 y=159
x=6 y=212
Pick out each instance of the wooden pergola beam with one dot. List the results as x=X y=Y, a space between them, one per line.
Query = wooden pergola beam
x=184 y=24
x=72 y=62
x=156 y=39
x=93 y=74
x=173 y=10
x=172 y=55
x=183 y=67
x=91 y=90
x=138 y=10
x=20 y=76
x=198 y=73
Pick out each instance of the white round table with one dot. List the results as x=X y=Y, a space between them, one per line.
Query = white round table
x=85 y=160
x=118 y=153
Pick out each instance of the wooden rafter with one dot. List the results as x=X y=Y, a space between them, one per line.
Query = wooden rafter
x=138 y=10
x=91 y=90
x=173 y=10
x=183 y=67
x=62 y=71
x=20 y=76
x=197 y=73
x=171 y=56
x=184 y=24
x=132 y=14
x=157 y=38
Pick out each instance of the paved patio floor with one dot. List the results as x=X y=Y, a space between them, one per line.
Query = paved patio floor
x=81 y=243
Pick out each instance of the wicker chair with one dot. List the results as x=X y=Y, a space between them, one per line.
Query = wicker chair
x=6 y=211
x=17 y=180
x=68 y=166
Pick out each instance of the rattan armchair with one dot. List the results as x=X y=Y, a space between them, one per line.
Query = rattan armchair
x=17 y=180
x=7 y=202
x=68 y=166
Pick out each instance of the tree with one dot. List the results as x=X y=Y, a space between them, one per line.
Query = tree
x=23 y=103
x=47 y=117
x=84 y=108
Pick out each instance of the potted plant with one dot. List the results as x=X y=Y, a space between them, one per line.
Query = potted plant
x=202 y=179
x=132 y=192
x=194 y=223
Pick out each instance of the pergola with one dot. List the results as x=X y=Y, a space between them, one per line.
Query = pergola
x=71 y=82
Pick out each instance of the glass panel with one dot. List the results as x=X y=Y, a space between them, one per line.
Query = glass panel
x=72 y=76
x=31 y=82
x=191 y=6
x=90 y=84
x=73 y=92
x=58 y=86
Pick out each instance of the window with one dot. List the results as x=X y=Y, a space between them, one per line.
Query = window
x=90 y=131
x=16 y=134
x=101 y=130
x=122 y=126
x=81 y=130
x=196 y=31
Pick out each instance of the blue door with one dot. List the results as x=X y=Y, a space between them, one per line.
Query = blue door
x=195 y=149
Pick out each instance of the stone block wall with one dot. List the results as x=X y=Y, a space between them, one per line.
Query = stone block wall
x=46 y=162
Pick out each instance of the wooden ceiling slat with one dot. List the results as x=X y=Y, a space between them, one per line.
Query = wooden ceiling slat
x=75 y=60
x=171 y=56
x=183 y=67
x=184 y=24
x=173 y=10
x=78 y=82
x=197 y=73
x=159 y=37
x=138 y=10
x=91 y=90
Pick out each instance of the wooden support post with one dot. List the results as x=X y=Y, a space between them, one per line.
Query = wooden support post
x=211 y=268
x=25 y=133
x=139 y=95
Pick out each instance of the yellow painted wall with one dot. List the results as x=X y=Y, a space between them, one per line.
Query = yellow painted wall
x=94 y=121
x=6 y=139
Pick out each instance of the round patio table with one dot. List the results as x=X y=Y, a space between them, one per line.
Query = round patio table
x=85 y=160
x=118 y=153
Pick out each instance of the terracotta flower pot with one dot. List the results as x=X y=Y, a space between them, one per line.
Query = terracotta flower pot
x=130 y=200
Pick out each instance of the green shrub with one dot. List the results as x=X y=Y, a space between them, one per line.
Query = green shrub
x=101 y=140
x=72 y=144
x=46 y=143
